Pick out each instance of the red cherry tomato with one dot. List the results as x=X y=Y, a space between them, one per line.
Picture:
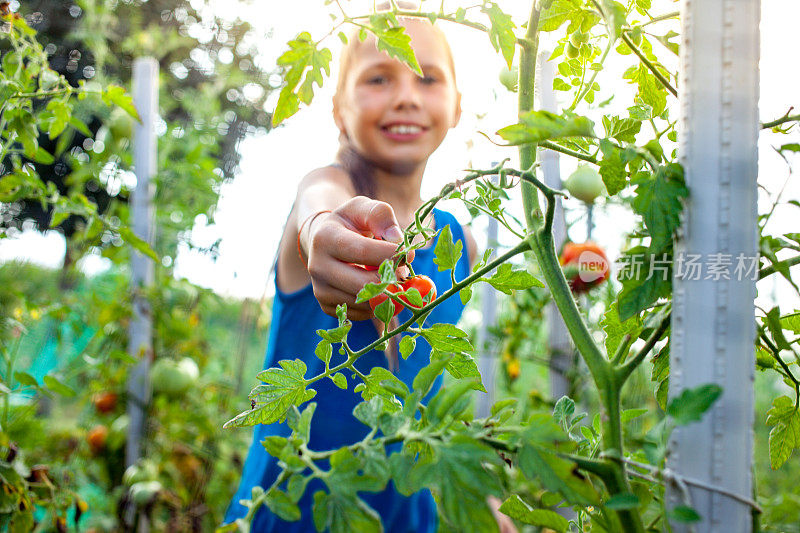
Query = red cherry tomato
x=587 y=265
x=422 y=283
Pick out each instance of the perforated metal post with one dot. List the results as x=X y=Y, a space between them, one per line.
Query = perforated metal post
x=713 y=327
x=140 y=344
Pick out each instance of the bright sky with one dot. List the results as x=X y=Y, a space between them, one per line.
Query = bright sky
x=273 y=164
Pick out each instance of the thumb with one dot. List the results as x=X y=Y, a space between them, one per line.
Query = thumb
x=376 y=217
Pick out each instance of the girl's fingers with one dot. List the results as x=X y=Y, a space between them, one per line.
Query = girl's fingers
x=344 y=277
x=374 y=216
x=344 y=244
x=329 y=297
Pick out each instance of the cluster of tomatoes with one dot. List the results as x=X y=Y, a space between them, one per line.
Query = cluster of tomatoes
x=422 y=283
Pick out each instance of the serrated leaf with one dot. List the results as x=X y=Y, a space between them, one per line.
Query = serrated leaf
x=447 y=253
x=282 y=505
x=446 y=338
x=407 y=346
x=658 y=201
x=616 y=330
x=557 y=474
x=501 y=31
x=397 y=43
x=506 y=279
x=785 y=434
x=558 y=13
x=283 y=388
x=519 y=510
x=622 y=129
x=538 y=126
x=116 y=95
x=630 y=414
x=612 y=166
x=791 y=322
x=692 y=403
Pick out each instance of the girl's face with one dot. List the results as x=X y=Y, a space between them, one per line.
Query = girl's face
x=392 y=116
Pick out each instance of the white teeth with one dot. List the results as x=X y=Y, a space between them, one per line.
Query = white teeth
x=404 y=129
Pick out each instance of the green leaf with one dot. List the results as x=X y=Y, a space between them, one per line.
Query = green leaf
x=691 y=404
x=630 y=414
x=324 y=351
x=557 y=474
x=622 y=129
x=538 y=126
x=116 y=95
x=684 y=514
x=614 y=14
x=137 y=243
x=407 y=345
x=282 y=505
x=457 y=476
x=625 y=500
x=460 y=366
x=616 y=330
x=446 y=338
x=382 y=383
x=447 y=253
x=301 y=58
x=519 y=510
x=339 y=380
x=428 y=374
x=563 y=411
x=283 y=388
x=397 y=43
x=465 y=294
x=337 y=334
x=25 y=379
x=501 y=32
x=341 y=514
x=773 y=322
x=785 y=434
x=368 y=412
x=57 y=386
x=558 y=13
x=791 y=322
x=453 y=397
x=658 y=201
x=507 y=280
x=561 y=85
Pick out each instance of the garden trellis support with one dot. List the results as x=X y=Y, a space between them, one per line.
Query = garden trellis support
x=713 y=327
x=140 y=343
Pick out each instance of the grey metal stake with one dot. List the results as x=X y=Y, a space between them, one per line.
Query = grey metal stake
x=713 y=328
x=140 y=344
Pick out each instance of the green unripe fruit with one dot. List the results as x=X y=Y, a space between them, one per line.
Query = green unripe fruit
x=143 y=492
x=509 y=78
x=120 y=124
x=578 y=38
x=174 y=378
x=585 y=184
x=571 y=51
x=143 y=470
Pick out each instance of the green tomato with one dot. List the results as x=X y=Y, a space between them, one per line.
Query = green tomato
x=571 y=51
x=143 y=492
x=585 y=184
x=143 y=470
x=118 y=432
x=509 y=78
x=120 y=124
x=174 y=378
x=578 y=38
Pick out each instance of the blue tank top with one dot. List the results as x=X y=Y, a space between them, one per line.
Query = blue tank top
x=295 y=318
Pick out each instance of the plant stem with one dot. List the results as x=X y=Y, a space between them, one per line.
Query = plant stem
x=627 y=369
x=650 y=66
x=566 y=151
x=764 y=272
x=778 y=122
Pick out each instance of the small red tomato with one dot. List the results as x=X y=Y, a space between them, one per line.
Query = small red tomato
x=587 y=265
x=105 y=402
x=422 y=283
x=97 y=438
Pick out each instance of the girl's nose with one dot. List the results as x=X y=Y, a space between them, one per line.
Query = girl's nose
x=408 y=94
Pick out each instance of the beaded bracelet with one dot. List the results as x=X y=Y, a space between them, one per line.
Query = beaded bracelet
x=311 y=218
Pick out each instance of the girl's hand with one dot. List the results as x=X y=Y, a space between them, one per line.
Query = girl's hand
x=504 y=522
x=336 y=242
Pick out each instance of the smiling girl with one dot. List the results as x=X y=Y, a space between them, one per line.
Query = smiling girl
x=350 y=213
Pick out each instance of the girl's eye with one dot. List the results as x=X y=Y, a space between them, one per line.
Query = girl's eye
x=376 y=80
x=429 y=80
